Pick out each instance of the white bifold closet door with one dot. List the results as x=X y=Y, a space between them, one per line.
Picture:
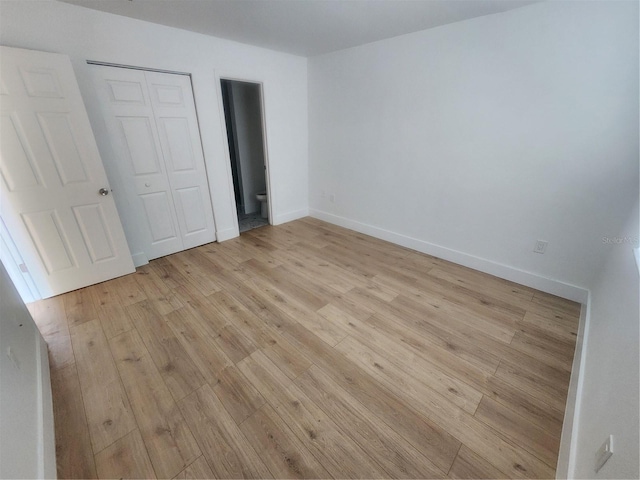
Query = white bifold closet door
x=156 y=151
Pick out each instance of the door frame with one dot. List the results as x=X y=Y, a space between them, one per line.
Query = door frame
x=265 y=143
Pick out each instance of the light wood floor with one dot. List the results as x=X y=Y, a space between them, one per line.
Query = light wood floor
x=307 y=350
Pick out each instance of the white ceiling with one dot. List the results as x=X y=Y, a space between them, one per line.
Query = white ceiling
x=303 y=27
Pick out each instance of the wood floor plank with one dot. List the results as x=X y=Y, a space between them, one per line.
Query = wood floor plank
x=194 y=273
x=237 y=394
x=283 y=454
x=439 y=445
x=275 y=237
x=128 y=289
x=179 y=372
x=534 y=323
x=202 y=309
x=470 y=465
x=113 y=319
x=503 y=311
x=287 y=358
x=483 y=283
x=313 y=267
x=234 y=343
x=107 y=407
x=430 y=332
x=232 y=249
x=103 y=294
x=286 y=283
x=449 y=387
x=74 y=454
x=199 y=344
x=79 y=307
x=226 y=449
x=169 y=441
x=309 y=319
x=468 y=373
x=467 y=429
x=556 y=378
x=534 y=385
x=49 y=315
x=548 y=311
x=265 y=377
x=442 y=355
x=126 y=458
x=198 y=470
x=556 y=303
x=218 y=262
x=547 y=349
x=396 y=455
x=535 y=410
x=51 y=319
x=337 y=453
x=457 y=320
x=236 y=314
x=157 y=293
x=519 y=430
x=170 y=275
x=363 y=266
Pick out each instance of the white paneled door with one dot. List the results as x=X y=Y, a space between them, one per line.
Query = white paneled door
x=55 y=199
x=155 y=144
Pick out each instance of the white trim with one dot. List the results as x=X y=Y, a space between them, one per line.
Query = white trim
x=529 y=279
x=290 y=216
x=46 y=435
x=222 y=235
x=565 y=467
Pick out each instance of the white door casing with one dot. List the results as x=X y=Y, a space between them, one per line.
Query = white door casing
x=68 y=234
x=151 y=121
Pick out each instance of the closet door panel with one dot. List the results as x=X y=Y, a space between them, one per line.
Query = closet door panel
x=147 y=206
x=175 y=113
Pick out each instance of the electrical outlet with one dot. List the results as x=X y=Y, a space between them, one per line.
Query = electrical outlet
x=323 y=194
x=540 y=246
x=604 y=453
x=332 y=198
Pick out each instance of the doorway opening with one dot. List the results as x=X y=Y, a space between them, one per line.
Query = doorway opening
x=242 y=102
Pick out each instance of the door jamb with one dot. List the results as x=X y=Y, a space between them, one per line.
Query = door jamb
x=265 y=148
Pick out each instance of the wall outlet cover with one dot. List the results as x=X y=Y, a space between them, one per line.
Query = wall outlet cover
x=540 y=246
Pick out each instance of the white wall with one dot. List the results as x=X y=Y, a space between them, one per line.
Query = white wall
x=475 y=139
x=85 y=34
x=609 y=401
x=248 y=122
x=27 y=446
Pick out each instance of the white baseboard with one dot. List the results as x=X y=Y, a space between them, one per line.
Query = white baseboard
x=567 y=454
x=548 y=285
x=46 y=435
x=229 y=233
x=289 y=216
x=139 y=259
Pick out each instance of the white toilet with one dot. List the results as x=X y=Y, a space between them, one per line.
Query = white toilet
x=264 y=205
